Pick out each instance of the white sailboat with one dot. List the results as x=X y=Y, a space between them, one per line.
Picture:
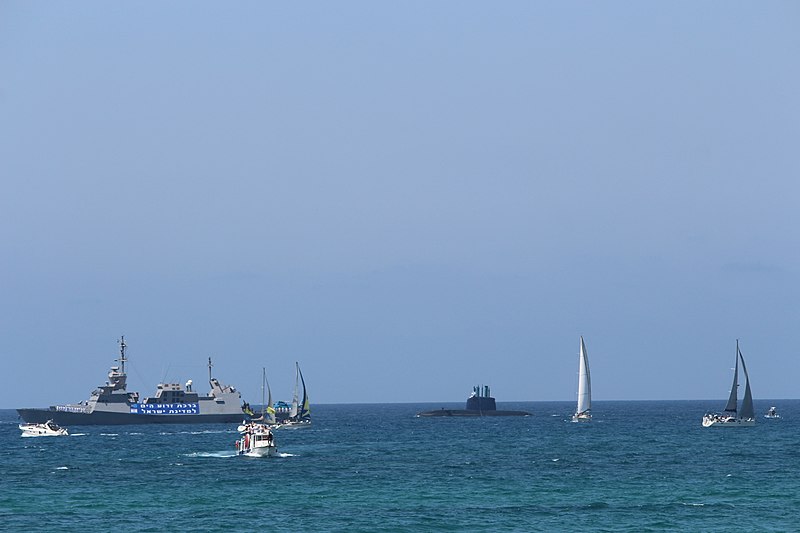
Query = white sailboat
x=732 y=416
x=583 y=411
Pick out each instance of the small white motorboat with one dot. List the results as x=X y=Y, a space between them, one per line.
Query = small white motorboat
x=48 y=429
x=772 y=413
x=257 y=440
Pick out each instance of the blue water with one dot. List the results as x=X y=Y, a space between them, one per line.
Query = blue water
x=638 y=466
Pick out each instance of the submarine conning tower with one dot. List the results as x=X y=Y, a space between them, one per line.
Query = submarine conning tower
x=480 y=399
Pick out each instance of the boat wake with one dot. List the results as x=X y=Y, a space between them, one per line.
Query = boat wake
x=211 y=454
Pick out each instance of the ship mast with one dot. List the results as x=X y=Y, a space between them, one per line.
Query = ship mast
x=122 y=358
x=209 y=369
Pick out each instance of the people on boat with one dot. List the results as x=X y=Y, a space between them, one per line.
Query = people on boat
x=716 y=417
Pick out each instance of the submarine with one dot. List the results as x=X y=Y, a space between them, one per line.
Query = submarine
x=479 y=403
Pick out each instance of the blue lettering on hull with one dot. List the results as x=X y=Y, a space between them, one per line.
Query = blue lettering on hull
x=165 y=409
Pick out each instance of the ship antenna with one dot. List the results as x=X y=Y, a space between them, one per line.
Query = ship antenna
x=209 y=369
x=122 y=347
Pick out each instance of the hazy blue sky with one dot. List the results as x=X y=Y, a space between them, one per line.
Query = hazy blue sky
x=409 y=198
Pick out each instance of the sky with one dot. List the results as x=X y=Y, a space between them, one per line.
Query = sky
x=408 y=198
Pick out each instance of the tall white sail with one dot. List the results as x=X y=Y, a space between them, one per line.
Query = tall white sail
x=584 y=383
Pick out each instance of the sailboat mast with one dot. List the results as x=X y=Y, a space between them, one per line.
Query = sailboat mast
x=263 y=381
x=734 y=398
x=295 y=407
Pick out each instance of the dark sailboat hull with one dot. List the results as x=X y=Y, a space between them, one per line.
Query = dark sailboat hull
x=66 y=418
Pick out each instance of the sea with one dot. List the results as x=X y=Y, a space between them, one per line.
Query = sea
x=638 y=466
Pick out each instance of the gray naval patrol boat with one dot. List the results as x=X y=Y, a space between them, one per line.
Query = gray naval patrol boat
x=172 y=404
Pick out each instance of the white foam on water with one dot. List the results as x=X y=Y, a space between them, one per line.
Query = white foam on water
x=224 y=454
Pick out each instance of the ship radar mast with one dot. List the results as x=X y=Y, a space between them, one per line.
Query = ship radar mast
x=122 y=358
x=116 y=376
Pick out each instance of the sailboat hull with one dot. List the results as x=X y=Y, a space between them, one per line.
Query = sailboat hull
x=294 y=424
x=730 y=422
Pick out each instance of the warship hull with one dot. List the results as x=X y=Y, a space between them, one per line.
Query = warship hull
x=112 y=403
x=65 y=418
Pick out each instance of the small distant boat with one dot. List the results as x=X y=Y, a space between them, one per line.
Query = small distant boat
x=772 y=413
x=583 y=411
x=256 y=438
x=732 y=416
x=47 y=429
x=299 y=413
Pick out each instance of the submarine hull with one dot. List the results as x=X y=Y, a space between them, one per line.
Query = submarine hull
x=472 y=412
